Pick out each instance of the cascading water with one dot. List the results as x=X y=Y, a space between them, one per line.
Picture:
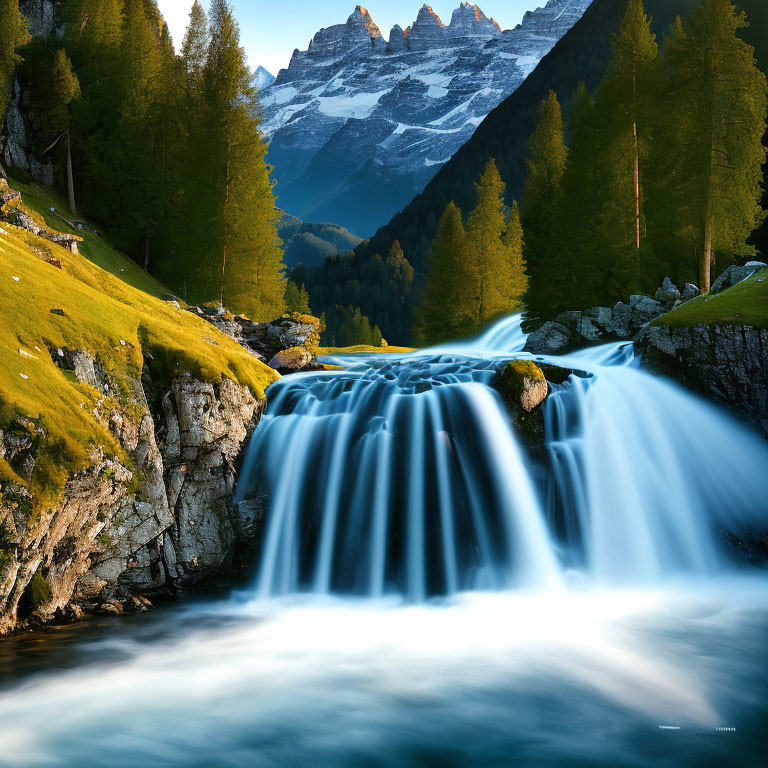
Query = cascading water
x=404 y=475
x=590 y=597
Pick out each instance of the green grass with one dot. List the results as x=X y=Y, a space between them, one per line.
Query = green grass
x=744 y=304
x=94 y=247
x=109 y=314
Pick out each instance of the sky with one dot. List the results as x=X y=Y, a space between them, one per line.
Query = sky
x=272 y=29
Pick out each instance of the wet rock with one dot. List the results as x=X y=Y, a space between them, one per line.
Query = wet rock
x=522 y=384
x=726 y=363
x=551 y=339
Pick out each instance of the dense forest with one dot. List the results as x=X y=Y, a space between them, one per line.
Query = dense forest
x=576 y=68
x=163 y=150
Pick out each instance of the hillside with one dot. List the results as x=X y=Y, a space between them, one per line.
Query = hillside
x=582 y=54
x=98 y=301
x=310 y=244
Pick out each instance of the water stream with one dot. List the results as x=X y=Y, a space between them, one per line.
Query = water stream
x=429 y=592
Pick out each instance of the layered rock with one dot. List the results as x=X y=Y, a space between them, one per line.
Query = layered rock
x=160 y=522
x=357 y=126
x=427 y=32
x=726 y=363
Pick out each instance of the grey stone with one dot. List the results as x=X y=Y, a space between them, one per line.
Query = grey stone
x=551 y=339
x=732 y=276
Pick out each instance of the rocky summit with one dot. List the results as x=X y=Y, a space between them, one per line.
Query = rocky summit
x=358 y=124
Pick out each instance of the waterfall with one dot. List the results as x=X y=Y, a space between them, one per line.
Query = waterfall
x=403 y=475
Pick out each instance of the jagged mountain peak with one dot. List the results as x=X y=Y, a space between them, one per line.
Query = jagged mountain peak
x=469 y=19
x=358 y=125
x=361 y=16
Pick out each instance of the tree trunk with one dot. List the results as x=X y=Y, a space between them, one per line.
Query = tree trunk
x=637 y=187
x=70 y=179
x=705 y=269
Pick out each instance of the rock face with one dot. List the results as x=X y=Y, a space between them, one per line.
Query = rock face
x=357 y=125
x=726 y=363
x=599 y=325
x=161 y=522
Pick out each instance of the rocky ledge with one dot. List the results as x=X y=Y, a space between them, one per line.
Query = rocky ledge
x=154 y=523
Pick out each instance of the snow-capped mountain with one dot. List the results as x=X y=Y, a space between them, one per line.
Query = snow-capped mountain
x=358 y=124
x=262 y=78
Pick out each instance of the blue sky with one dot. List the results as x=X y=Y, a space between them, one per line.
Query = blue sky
x=271 y=29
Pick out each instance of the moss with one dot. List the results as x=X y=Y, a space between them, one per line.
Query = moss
x=38 y=591
x=115 y=321
x=363 y=349
x=744 y=304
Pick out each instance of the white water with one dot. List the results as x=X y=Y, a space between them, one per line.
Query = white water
x=405 y=476
x=587 y=602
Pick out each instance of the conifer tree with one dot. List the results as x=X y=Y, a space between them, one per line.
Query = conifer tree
x=296 y=299
x=540 y=214
x=626 y=99
x=194 y=49
x=13 y=34
x=720 y=109
x=512 y=241
x=449 y=309
x=64 y=90
x=245 y=257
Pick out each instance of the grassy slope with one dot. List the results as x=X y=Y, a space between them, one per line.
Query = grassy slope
x=94 y=247
x=116 y=321
x=744 y=304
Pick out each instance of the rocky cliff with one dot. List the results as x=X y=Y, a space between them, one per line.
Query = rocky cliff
x=157 y=521
x=122 y=417
x=718 y=345
x=358 y=125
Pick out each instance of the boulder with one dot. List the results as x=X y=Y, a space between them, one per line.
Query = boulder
x=291 y=360
x=735 y=275
x=522 y=385
x=668 y=293
x=551 y=339
x=690 y=291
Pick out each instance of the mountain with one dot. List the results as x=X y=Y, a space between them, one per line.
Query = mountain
x=358 y=124
x=311 y=244
x=262 y=78
x=582 y=54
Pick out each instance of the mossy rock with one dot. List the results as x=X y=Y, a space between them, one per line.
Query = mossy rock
x=522 y=384
x=38 y=592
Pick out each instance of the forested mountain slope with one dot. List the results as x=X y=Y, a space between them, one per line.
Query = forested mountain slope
x=582 y=55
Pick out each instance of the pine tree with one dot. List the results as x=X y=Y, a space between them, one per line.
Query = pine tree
x=13 y=34
x=194 y=49
x=449 y=309
x=584 y=193
x=296 y=299
x=65 y=89
x=720 y=109
x=512 y=241
x=245 y=257
x=541 y=215
x=626 y=97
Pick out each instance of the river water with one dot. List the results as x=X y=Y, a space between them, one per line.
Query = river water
x=426 y=593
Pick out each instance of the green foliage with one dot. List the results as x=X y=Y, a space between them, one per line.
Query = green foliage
x=541 y=214
x=448 y=310
x=352 y=328
x=664 y=165
x=297 y=299
x=719 y=99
